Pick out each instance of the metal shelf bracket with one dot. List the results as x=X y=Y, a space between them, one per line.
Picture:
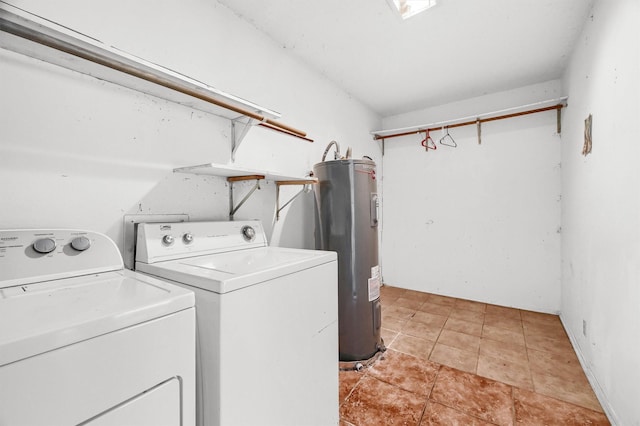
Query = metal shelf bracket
x=233 y=209
x=306 y=187
x=239 y=128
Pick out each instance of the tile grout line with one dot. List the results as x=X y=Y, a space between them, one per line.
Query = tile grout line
x=435 y=379
x=526 y=348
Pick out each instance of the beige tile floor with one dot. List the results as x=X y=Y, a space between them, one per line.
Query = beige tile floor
x=454 y=361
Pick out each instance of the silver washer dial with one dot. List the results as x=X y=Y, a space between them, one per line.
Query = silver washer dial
x=167 y=240
x=187 y=238
x=44 y=245
x=80 y=243
x=248 y=233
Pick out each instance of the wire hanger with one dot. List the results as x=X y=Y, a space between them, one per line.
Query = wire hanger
x=447 y=139
x=427 y=142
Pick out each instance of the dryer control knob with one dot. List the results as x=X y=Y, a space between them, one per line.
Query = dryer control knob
x=167 y=240
x=248 y=233
x=187 y=238
x=80 y=243
x=44 y=245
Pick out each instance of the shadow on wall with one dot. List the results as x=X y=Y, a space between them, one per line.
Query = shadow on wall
x=295 y=229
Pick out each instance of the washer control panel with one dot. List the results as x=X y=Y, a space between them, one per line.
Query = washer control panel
x=34 y=255
x=167 y=241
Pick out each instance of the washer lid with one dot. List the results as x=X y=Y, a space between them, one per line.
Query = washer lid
x=225 y=272
x=40 y=317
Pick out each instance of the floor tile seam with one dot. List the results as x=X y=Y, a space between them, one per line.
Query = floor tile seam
x=433 y=401
x=475 y=370
x=401 y=318
x=394 y=304
x=512 y=386
x=424 y=410
x=400 y=387
x=584 y=385
x=433 y=385
x=513 y=404
x=435 y=342
x=539 y=349
x=501 y=341
x=517 y=386
x=553 y=395
x=435 y=379
x=564 y=401
x=459 y=410
x=462 y=349
x=355 y=385
x=526 y=349
x=476 y=374
x=566 y=377
x=420 y=360
x=504 y=328
x=397 y=333
x=510 y=361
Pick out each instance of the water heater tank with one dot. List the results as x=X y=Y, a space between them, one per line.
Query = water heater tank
x=347 y=223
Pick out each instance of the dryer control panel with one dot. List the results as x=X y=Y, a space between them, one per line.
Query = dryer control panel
x=168 y=241
x=35 y=255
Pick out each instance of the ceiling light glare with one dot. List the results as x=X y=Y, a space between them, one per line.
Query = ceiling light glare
x=409 y=8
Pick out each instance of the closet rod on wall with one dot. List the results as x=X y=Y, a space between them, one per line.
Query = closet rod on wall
x=471 y=120
x=286 y=132
x=93 y=54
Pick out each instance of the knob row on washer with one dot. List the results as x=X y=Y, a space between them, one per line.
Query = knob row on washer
x=47 y=245
x=169 y=239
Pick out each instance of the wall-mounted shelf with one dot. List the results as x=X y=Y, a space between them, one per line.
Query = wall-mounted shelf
x=237 y=174
x=31 y=35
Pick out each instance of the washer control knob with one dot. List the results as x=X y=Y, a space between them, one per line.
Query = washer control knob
x=167 y=240
x=248 y=233
x=44 y=245
x=187 y=238
x=80 y=243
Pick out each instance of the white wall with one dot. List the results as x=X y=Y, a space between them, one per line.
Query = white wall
x=479 y=222
x=80 y=152
x=601 y=207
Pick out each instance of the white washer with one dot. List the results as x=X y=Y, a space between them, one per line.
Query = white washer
x=267 y=320
x=84 y=342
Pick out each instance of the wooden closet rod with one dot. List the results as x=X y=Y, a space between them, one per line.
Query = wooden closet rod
x=104 y=60
x=470 y=122
x=286 y=132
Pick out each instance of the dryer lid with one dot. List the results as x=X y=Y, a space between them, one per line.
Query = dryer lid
x=39 y=317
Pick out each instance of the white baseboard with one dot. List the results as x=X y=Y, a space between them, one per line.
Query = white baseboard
x=593 y=381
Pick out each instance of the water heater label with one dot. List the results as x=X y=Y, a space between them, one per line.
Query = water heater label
x=374 y=283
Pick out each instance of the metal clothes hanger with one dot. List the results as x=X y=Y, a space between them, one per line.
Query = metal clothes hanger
x=448 y=139
x=428 y=143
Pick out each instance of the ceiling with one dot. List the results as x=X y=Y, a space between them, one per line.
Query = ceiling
x=456 y=50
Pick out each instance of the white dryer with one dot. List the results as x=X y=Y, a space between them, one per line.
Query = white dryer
x=267 y=320
x=85 y=342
